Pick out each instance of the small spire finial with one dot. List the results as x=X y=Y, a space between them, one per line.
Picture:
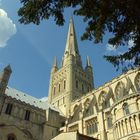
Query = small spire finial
x=8 y=68
x=88 y=61
x=54 y=68
x=71 y=19
x=55 y=62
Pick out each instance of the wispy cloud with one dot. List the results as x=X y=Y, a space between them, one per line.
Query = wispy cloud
x=7 y=28
x=110 y=47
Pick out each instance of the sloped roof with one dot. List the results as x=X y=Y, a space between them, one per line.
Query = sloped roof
x=30 y=100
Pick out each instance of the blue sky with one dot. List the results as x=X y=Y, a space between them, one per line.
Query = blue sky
x=30 y=50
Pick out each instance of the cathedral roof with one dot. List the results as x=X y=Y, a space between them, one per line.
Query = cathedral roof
x=27 y=99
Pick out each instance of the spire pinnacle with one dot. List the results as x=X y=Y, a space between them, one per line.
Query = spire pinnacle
x=8 y=68
x=54 y=68
x=55 y=62
x=71 y=43
x=88 y=61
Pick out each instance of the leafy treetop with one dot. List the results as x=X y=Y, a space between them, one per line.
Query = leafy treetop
x=120 y=17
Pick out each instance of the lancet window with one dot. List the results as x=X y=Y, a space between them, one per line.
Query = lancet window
x=125 y=109
x=120 y=90
x=109 y=122
x=137 y=82
x=27 y=115
x=9 y=108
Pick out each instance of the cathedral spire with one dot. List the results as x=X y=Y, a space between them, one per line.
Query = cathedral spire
x=71 y=43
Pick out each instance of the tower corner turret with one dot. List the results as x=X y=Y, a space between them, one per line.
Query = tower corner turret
x=4 y=78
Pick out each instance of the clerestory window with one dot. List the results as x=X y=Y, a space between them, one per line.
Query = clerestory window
x=27 y=115
x=9 y=108
x=126 y=109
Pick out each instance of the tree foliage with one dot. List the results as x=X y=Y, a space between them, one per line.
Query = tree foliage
x=120 y=17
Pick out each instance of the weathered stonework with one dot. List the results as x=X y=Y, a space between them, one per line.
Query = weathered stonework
x=75 y=109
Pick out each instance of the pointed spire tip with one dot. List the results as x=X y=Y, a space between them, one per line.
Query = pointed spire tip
x=8 y=67
x=71 y=43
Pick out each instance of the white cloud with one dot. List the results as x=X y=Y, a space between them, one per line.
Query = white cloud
x=110 y=47
x=130 y=43
x=44 y=99
x=7 y=28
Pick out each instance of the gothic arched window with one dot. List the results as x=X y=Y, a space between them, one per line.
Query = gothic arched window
x=109 y=122
x=27 y=115
x=89 y=111
x=86 y=104
x=9 y=108
x=64 y=84
x=75 y=108
x=11 y=137
x=59 y=88
x=102 y=98
x=120 y=90
x=137 y=82
x=125 y=109
x=115 y=111
x=106 y=104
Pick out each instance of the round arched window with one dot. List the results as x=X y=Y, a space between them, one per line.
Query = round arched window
x=11 y=137
x=125 y=109
x=137 y=82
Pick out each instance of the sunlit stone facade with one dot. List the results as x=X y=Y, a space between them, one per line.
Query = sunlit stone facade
x=75 y=109
x=110 y=112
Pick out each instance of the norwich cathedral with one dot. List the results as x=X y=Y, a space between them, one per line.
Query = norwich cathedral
x=75 y=109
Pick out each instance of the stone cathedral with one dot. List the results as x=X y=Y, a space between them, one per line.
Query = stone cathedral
x=75 y=110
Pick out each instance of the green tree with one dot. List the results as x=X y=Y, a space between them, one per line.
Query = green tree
x=120 y=17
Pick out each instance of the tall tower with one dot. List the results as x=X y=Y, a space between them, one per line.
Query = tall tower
x=71 y=81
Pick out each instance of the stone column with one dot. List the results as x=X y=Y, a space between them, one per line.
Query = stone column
x=102 y=125
x=129 y=127
x=133 y=124
x=115 y=133
x=137 y=122
x=126 y=126
x=66 y=125
x=120 y=129
x=81 y=122
x=122 y=126
x=84 y=128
